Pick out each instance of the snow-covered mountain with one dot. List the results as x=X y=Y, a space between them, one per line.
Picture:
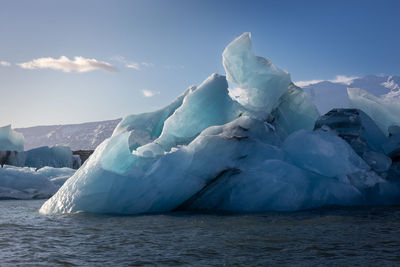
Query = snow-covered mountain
x=333 y=94
x=85 y=136
x=324 y=94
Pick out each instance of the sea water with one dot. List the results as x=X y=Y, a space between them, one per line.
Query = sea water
x=359 y=236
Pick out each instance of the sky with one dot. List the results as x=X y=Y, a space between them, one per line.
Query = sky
x=64 y=62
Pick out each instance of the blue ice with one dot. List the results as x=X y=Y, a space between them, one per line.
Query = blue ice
x=208 y=151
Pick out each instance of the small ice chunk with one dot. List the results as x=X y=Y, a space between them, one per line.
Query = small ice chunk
x=56 y=156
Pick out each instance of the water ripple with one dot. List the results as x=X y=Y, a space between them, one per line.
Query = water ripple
x=335 y=236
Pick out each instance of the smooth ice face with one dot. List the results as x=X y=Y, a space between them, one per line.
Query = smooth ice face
x=262 y=83
x=210 y=104
x=11 y=140
x=146 y=127
x=323 y=153
x=295 y=111
x=384 y=111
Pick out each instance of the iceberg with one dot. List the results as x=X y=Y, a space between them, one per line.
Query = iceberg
x=209 y=151
x=11 y=140
x=27 y=183
x=24 y=183
x=13 y=158
x=12 y=153
x=56 y=156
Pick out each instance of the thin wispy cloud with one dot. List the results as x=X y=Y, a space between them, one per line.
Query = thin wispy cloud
x=147 y=64
x=347 y=80
x=149 y=93
x=131 y=64
x=79 y=64
x=5 y=63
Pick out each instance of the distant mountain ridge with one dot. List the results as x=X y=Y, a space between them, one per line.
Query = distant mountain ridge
x=329 y=94
x=85 y=136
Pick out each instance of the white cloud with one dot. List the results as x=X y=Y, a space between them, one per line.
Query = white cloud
x=149 y=93
x=5 y=63
x=132 y=64
x=79 y=64
x=347 y=80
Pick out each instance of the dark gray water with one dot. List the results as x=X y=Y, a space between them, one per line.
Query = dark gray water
x=357 y=236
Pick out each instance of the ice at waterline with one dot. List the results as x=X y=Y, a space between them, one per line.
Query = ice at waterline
x=207 y=151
